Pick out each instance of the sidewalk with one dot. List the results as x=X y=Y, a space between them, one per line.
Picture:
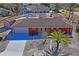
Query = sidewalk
x=14 y=48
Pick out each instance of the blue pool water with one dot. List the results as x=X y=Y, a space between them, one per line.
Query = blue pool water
x=23 y=34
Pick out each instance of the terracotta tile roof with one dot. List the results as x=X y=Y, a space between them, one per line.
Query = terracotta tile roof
x=2 y=20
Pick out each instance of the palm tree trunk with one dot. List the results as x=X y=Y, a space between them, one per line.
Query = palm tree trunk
x=57 y=47
x=56 y=51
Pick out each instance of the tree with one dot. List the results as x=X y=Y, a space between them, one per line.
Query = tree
x=58 y=37
x=18 y=9
x=53 y=9
x=13 y=8
x=70 y=7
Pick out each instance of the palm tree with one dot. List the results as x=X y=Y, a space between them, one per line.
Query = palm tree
x=51 y=9
x=58 y=37
x=70 y=7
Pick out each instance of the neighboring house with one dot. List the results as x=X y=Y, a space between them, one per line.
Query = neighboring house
x=35 y=10
x=7 y=25
x=9 y=18
x=6 y=29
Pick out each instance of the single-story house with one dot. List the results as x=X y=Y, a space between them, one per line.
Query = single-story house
x=36 y=25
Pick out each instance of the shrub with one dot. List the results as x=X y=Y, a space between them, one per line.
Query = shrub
x=65 y=13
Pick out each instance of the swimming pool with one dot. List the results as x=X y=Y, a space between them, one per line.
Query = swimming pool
x=23 y=34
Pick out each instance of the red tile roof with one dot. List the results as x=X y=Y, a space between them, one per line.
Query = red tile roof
x=2 y=20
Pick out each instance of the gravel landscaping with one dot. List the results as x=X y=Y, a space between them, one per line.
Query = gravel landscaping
x=35 y=48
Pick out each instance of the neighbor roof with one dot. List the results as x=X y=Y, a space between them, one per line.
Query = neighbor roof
x=2 y=20
x=37 y=8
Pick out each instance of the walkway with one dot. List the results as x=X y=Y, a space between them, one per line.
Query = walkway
x=14 y=48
